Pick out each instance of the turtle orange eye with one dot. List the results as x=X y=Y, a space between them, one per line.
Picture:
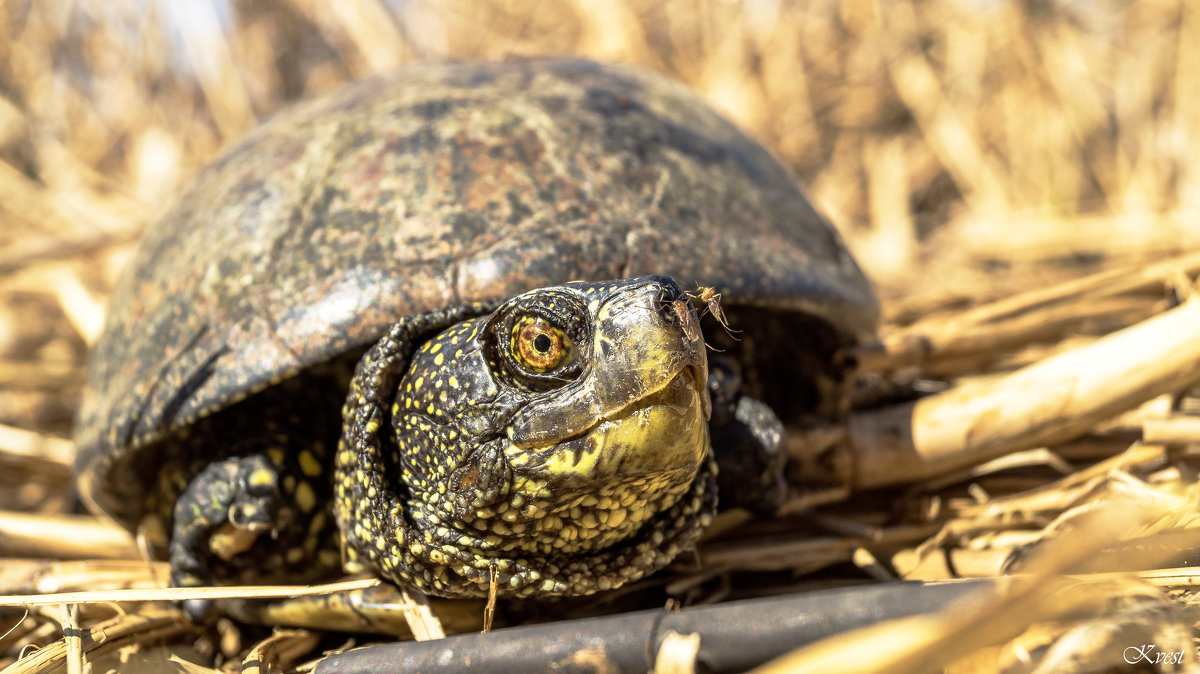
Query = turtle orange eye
x=540 y=346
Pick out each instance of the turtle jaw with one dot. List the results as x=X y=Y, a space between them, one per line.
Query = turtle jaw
x=661 y=437
x=664 y=433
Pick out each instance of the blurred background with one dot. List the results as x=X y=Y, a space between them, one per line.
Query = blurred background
x=967 y=149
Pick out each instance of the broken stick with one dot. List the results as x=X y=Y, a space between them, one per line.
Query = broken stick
x=1051 y=401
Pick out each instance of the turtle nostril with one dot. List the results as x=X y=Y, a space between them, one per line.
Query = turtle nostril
x=669 y=295
x=667 y=283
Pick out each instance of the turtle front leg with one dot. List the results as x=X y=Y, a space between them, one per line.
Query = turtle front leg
x=222 y=513
x=746 y=440
x=253 y=519
x=249 y=500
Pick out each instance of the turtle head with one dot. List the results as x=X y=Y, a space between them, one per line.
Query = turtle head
x=563 y=430
x=567 y=407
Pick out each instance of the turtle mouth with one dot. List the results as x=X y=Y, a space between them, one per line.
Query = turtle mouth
x=671 y=395
x=688 y=378
x=667 y=395
x=660 y=436
x=656 y=434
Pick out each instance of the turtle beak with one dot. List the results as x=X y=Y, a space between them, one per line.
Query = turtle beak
x=700 y=383
x=689 y=324
x=646 y=340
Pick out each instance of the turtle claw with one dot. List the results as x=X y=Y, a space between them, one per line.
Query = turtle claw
x=223 y=511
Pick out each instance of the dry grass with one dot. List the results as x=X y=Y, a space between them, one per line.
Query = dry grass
x=969 y=150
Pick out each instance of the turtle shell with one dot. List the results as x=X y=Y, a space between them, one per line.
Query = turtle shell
x=438 y=185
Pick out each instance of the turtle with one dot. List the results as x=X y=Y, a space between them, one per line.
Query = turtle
x=434 y=326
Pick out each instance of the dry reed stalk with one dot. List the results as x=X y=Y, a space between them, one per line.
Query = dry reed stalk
x=64 y=537
x=926 y=643
x=384 y=609
x=280 y=649
x=71 y=636
x=1173 y=430
x=49 y=453
x=41 y=576
x=421 y=620
x=677 y=654
x=1038 y=314
x=177 y=594
x=146 y=627
x=1051 y=401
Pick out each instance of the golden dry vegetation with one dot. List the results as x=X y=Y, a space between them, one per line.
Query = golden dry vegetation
x=969 y=151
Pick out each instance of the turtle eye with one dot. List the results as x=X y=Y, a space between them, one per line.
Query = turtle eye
x=535 y=341
x=540 y=346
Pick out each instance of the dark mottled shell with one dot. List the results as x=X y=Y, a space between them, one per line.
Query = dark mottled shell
x=437 y=185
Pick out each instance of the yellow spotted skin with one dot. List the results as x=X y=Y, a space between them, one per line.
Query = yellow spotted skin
x=246 y=500
x=560 y=442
